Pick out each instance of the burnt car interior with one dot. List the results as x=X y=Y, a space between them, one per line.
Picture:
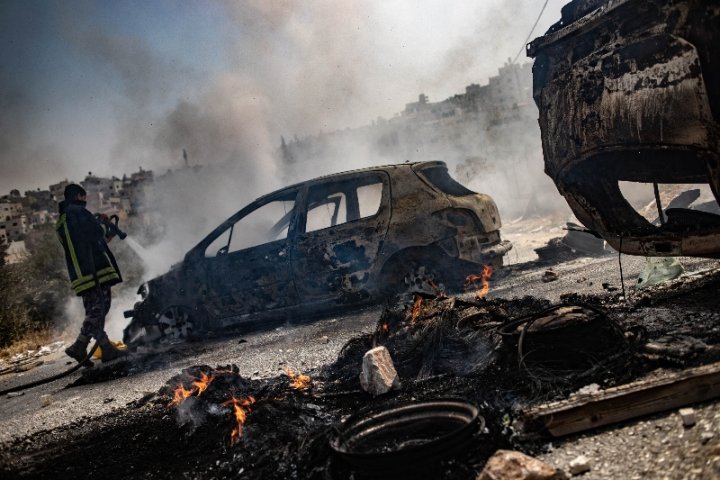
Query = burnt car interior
x=266 y=223
x=327 y=205
x=336 y=203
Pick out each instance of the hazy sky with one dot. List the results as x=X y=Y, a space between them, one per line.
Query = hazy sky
x=110 y=86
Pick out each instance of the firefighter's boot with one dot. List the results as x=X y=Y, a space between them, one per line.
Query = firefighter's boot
x=109 y=351
x=78 y=351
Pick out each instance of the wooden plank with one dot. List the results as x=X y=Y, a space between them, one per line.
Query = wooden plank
x=585 y=412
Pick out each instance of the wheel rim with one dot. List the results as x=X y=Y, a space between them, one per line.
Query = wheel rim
x=423 y=280
x=177 y=322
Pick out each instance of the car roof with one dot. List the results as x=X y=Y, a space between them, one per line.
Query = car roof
x=331 y=176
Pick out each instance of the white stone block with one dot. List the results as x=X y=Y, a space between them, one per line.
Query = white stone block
x=688 y=416
x=511 y=465
x=378 y=375
x=579 y=465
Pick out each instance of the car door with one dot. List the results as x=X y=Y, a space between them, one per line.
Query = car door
x=247 y=264
x=341 y=226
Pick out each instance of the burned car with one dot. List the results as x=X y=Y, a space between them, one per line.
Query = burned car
x=343 y=239
x=629 y=91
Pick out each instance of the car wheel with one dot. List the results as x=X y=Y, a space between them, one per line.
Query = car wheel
x=180 y=322
x=413 y=275
x=425 y=279
x=430 y=274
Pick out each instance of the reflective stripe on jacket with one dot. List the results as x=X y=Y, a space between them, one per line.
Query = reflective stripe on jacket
x=89 y=260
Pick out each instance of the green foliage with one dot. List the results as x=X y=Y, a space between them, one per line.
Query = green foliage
x=32 y=292
x=19 y=313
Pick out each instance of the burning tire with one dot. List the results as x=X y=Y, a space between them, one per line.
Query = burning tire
x=430 y=272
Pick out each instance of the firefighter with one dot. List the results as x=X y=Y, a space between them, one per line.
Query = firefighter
x=92 y=270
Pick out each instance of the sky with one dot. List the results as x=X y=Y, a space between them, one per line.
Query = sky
x=111 y=86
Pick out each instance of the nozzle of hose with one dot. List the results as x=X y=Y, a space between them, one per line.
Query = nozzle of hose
x=113 y=226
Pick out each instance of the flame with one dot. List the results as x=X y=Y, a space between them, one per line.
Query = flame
x=416 y=309
x=202 y=383
x=180 y=395
x=298 y=381
x=385 y=327
x=199 y=385
x=240 y=410
x=484 y=288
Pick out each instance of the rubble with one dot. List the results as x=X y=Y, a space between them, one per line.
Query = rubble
x=579 y=465
x=688 y=417
x=22 y=362
x=378 y=375
x=577 y=242
x=580 y=413
x=512 y=465
x=591 y=389
x=549 y=276
x=678 y=346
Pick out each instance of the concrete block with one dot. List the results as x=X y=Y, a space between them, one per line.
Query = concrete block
x=378 y=375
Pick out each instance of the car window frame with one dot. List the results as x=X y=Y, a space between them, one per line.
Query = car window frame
x=302 y=200
x=221 y=229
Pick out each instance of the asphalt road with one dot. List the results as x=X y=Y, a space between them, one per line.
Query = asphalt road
x=258 y=354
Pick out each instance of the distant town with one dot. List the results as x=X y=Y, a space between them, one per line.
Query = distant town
x=19 y=214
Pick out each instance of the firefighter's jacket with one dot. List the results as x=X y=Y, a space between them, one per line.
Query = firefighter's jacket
x=90 y=262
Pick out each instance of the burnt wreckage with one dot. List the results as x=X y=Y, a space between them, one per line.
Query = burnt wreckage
x=629 y=90
x=343 y=239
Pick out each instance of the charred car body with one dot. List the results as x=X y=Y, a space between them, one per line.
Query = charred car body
x=629 y=90
x=337 y=240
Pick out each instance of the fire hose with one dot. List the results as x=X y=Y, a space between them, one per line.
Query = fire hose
x=52 y=378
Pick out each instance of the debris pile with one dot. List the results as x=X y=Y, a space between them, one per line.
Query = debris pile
x=265 y=421
x=577 y=242
x=22 y=362
x=497 y=354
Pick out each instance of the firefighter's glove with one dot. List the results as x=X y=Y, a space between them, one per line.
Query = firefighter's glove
x=107 y=224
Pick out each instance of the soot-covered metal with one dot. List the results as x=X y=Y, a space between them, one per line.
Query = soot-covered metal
x=629 y=90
